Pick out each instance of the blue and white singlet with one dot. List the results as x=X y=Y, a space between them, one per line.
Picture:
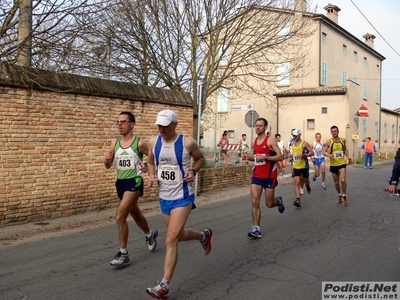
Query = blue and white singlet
x=172 y=160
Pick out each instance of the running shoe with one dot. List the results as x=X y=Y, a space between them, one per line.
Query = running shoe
x=308 y=188
x=370 y=167
x=365 y=167
x=120 y=259
x=297 y=203
x=344 y=200
x=160 y=291
x=323 y=186
x=301 y=191
x=206 y=244
x=314 y=178
x=151 y=241
x=281 y=206
x=254 y=233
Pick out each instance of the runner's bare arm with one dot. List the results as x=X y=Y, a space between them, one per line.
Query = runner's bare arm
x=347 y=151
x=198 y=158
x=310 y=150
x=151 y=168
x=326 y=148
x=143 y=149
x=109 y=156
x=272 y=143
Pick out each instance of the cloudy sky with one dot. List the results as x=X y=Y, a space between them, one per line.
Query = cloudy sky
x=384 y=15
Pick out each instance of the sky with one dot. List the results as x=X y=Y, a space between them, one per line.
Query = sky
x=384 y=15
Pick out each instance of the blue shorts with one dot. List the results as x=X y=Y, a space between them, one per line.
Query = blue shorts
x=319 y=161
x=268 y=183
x=129 y=185
x=168 y=205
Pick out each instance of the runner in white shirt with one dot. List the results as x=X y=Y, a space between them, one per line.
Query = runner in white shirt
x=281 y=145
x=243 y=148
x=319 y=159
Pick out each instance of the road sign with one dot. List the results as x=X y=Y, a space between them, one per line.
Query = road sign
x=355 y=136
x=235 y=107
x=363 y=111
x=250 y=117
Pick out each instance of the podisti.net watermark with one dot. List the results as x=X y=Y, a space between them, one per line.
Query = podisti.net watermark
x=360 y=290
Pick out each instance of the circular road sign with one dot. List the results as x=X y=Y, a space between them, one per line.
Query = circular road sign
x=363 y=111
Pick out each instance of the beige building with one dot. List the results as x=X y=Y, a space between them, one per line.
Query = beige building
x=342 y=74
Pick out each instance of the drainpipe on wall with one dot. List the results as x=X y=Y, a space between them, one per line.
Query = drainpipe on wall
x=320 y=54
x=397 y=132
x=380 y=105
x=277 y=114
x=215 y=129
x=348 y=138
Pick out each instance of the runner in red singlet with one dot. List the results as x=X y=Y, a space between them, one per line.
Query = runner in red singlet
x=265 y=173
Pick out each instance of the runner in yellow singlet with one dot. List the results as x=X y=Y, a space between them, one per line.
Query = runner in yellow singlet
x=301 y=150
x=335 y=148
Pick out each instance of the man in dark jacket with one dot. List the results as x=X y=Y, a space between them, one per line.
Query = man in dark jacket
x=394 y=180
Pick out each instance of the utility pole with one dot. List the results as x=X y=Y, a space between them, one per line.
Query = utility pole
x=24 y=58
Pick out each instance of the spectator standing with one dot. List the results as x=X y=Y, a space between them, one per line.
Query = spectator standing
x=370 y=149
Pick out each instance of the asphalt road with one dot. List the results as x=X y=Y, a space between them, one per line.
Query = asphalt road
x=322 y=241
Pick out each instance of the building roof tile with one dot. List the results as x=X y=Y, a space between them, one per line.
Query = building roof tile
x=322 y=90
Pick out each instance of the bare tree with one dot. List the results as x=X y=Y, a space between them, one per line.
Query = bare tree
x=178 y=44
x=51 y=31
x=232 y=44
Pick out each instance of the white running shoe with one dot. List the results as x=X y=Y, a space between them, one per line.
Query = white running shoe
x=160 y=291
x=206 y=244
x=120 y=259
x=151 y=241
x=254 y=233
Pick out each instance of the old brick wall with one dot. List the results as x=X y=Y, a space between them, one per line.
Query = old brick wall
x=218 y=178
x=55 y=132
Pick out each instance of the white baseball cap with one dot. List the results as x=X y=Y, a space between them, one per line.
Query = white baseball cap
x=166 y=117
x=296 y=132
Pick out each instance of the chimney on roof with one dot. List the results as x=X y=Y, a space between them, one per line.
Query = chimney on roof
x=369 y=39
x=332 y=12
x=300 y=5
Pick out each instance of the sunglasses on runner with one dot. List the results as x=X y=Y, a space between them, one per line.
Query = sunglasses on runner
x=123 y=122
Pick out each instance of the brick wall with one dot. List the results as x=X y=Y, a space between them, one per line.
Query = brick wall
x=217 y=178
x=55 y=130
x=53 y=138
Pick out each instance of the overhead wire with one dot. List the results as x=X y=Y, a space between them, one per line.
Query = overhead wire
x=375 y=28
